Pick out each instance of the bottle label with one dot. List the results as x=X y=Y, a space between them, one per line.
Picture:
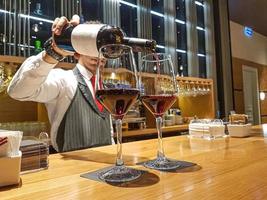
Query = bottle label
x=83 y=39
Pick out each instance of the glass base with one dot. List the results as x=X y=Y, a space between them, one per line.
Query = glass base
x=163 y=164
x=120 y=174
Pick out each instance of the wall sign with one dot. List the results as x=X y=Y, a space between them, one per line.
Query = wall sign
x=248 y=32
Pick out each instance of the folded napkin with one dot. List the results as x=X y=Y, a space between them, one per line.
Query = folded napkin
x=199 y=129
x=9 y=143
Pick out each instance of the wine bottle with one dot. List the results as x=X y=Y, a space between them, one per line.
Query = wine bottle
x=140 y=45
x=87 y=39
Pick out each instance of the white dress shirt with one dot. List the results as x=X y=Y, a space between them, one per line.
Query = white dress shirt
x=37 y=80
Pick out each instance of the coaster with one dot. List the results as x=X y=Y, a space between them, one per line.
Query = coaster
x=94 y=175
x=182 y=165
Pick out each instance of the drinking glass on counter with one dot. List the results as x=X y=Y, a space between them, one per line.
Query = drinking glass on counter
x=158 y=100
x=117 y=99
x=206 y=128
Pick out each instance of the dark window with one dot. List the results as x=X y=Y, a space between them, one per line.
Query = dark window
x=182 y=64
x=48 y=9
x=180 y=10
x=200 y=16
x=157 y=6
x=160 y=50
x=158 y=22
x=39 y=33
x=202 y=67
x=3 y=36
x=158 y=29
x=40 y=30
x=182 y=69
x=201 y=42
x=201 y=1
x=128 y=16
x=128 y=20
x=181 y=36
x=92 y=10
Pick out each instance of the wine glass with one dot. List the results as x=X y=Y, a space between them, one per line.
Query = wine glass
x=117 y=99
x=156 y=69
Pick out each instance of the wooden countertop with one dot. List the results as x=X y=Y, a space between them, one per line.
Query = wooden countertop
x=147 y=131
x=230 y=168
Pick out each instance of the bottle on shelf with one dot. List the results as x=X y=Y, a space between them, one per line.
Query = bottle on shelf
x=37 y=46
x=87 y=39
x=38 y=10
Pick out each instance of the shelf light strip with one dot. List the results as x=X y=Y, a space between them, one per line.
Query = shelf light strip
x=180 y=51
x=21 y=45
x=179 y=21
x=152 y=12
x=36 y=18
x=199 y=3
x=156 y=13
x=128 y=4
x=201 y=55
x=160 y=47
x=200 y=28
x=28 y=16
x=177 y=50
x=161 y=15
x=4 y=11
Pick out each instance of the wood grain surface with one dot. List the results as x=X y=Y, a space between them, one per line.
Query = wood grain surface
x=230 y=168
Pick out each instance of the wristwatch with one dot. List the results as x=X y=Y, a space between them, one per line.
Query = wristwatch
x=51 y=52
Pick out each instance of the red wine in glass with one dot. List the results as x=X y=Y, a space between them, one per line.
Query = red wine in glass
x=158 y=104
x=117 y=101
x=158 y=100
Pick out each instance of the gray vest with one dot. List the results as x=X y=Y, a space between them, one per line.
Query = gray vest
x=83 y=125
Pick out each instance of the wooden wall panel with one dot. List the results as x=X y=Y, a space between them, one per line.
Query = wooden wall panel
x=239 y=101
x=238 y=84
x=264 y=120
x=201 y=106
x=237 y=74
x=42 y=113
x=16 y=111
x=263 y=79
x=263 y=105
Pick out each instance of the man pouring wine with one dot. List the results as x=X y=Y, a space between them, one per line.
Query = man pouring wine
x=77 y=118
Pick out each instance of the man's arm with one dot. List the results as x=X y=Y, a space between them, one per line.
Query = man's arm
x=30 y=81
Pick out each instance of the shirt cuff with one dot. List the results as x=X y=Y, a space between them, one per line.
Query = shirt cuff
x=42 y=66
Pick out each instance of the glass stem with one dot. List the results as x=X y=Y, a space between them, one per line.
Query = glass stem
x=160 y=142
x=119 y=161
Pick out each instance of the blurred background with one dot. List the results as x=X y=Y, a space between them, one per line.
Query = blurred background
x=219 y=40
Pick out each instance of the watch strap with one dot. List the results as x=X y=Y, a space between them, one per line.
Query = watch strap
x=51 y=52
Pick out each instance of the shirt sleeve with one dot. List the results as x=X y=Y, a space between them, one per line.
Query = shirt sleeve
x=31 y=81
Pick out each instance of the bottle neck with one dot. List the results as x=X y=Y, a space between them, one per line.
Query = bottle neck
x=140 y=45
x=63 y=41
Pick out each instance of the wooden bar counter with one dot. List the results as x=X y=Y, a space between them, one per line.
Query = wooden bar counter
x=153 y=131
x=229 y=168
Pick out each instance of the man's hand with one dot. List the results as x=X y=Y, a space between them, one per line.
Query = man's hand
x=58 y=25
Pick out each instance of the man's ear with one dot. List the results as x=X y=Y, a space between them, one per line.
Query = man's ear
x=76 y=56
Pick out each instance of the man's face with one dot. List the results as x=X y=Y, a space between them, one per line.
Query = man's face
x=91 y=63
